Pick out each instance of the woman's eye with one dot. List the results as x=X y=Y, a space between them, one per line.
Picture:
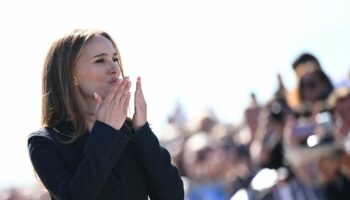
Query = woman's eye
x=100 y=61
x=115 y=59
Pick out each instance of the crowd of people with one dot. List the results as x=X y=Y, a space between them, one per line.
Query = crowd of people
x=296 y=146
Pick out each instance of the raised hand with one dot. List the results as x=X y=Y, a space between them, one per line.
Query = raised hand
x=113 y=109
x=140 y=114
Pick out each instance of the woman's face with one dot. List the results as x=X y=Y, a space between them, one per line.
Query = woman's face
x=313 y=87
x=96 y=69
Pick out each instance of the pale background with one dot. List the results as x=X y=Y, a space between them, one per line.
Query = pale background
x=199 y=53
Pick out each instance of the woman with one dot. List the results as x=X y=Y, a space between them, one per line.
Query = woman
x=313 y=91
x=88 y=148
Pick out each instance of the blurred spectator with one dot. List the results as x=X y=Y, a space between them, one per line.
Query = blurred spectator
x=313 y=91
x=248 y=127
x=302 y=159
x=267 y=148
x=336 y=184
x=339 y=101
x=203 y=161
x=318 y=169
x=251 y=115
x=304 y=63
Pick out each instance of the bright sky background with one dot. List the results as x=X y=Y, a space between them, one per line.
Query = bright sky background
x=201 y=53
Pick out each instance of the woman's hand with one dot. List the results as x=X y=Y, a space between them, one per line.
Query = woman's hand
x=140 y=114
x=113 y=109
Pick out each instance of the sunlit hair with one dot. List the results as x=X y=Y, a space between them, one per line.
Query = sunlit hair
x=59 y=99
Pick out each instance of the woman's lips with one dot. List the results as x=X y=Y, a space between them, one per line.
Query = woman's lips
x=113 y=81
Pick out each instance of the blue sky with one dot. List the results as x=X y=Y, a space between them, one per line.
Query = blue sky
x=200 y=53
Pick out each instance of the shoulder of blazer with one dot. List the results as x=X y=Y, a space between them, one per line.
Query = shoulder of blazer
x=45 y=134
x=42 y=132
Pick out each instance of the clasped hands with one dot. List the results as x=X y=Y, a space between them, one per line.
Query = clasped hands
x=113 y=109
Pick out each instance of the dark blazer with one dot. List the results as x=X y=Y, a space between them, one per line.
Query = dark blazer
x=104 y=164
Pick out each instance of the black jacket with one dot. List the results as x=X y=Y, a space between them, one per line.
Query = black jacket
x=104 y=164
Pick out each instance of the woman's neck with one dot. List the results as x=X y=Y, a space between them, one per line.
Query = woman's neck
x=90 y=121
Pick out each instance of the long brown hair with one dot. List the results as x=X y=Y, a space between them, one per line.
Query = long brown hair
x=59 y=100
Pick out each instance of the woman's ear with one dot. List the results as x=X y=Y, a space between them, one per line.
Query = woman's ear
x=75 y=80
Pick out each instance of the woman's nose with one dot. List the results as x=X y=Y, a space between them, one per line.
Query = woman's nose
x=115 y=68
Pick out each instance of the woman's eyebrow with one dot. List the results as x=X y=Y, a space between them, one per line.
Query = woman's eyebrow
x=104 y=54
x=100 y=55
